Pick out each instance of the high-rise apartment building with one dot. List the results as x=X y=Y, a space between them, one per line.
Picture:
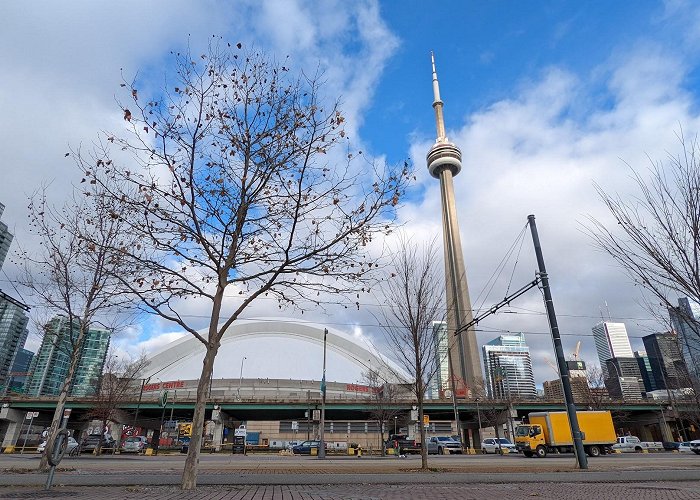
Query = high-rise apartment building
x=666 y=360
x=509 y=368
x=441 y=381
x=5 y=238
x=611 y=341
x=13 y=334
x=50 y=366
x=686 y=322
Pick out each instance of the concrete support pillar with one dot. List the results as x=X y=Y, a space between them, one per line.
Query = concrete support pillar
x=14 y=420
x=666 y=433
x=218 y=417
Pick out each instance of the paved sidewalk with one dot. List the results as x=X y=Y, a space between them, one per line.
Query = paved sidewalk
x=513 y=491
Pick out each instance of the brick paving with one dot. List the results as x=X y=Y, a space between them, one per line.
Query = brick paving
x=513 y=491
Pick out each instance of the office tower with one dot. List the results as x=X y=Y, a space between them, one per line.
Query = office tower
x=444 y=162
x=645 y=371
x=5 y=238
x=509 y=368
x=666 y=360
x=625 y=380
x=441 y=381
x=20 y=371
x=13 y=334
x=611 y=341
x=50 y=366
x=686 y=322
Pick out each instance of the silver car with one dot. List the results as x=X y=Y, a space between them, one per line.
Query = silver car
x=71 y=448
x=491 y=445
x=134 y=444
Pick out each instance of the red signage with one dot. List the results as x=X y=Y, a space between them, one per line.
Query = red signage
x=177 y=384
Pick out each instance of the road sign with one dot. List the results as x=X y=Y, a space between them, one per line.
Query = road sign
x=163 y=398
x=295 y=425
x=66 y=412
x=31 y=414
x=185 y=429
x=426 y=419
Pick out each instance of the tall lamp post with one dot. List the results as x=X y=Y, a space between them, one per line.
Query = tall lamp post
x=395 y=418
x=322 y=443
x=240 y=378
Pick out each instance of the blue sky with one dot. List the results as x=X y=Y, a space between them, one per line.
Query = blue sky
x=544 y=98
x=486 y=50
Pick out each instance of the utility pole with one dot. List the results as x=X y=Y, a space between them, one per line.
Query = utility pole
x=322 y=444
x=559 y=351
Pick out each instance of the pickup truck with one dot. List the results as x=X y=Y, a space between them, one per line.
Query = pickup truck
x=404 y=445
x=442 y=445
x=632 y=444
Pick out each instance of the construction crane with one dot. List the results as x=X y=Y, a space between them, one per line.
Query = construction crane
x=551 y=364
x=576 y=351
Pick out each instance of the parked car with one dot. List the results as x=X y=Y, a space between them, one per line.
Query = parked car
x=403 y=444
x=684 y=447
x=71 y=449
x=632 y=444
x=134 y=444
x=695 y=446
x=671 y=445
x=443 y=444
x=491 y=445
x=90 y=443
x=305 y=447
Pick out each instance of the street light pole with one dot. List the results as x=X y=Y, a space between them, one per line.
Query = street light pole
x=395 y=418
x=322 y=443
x=240 y=378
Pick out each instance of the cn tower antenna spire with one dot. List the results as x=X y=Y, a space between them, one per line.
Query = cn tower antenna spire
x=437 y=105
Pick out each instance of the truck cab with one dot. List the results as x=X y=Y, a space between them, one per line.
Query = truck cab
x=528 y=437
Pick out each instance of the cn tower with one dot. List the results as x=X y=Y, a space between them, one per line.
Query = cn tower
x=444 y=162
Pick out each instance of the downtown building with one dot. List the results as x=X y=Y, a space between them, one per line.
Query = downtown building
x=685 y=320
x=554 y=390
x=509 y=368
x=13 y=318
x=666 y=361
x=621 y=373
x=50 y=365
x=13 y=335
x=440 y=382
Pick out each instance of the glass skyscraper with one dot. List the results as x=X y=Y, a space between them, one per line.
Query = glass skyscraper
x=13 y=334
x=441 y=381
x=509 y=368
x=686 y=322
x=5 y=237
x=50 y=366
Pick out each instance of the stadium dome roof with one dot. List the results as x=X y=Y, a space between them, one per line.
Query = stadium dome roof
x=273 y=348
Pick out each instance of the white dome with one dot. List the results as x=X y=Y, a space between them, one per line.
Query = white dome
x=275 y=349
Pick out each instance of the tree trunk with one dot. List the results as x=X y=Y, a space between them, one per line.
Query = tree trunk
x=423 y=441
x=189 y=473
x=61 y=403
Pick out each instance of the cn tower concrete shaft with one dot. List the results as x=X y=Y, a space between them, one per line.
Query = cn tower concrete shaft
x=444 y=162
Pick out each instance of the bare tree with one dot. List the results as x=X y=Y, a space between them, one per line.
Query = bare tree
x=382 y=407
x=591 y=391
x=413 y=302
x=655 y=237
x=115 y=385
x=71 y=275
x=230 y=189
